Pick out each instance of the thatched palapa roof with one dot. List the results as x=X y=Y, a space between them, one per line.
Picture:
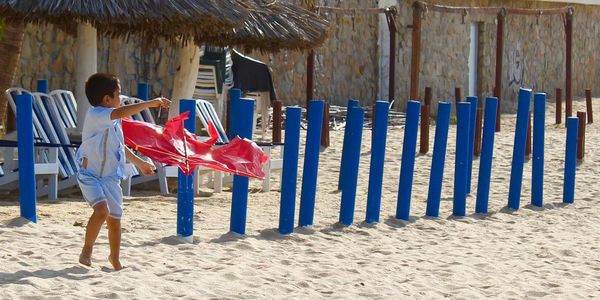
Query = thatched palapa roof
x=272 y=26
x=174 y=20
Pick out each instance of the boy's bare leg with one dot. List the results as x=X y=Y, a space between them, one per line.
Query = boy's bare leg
x=91 y=232
x=114 y=239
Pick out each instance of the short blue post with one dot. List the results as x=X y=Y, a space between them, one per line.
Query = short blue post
x=185 y=184
x=378 y=142
x=311 y=162
x=290 y=169
x=537 y=172
x=143 y=91
x=239 y=198
x=26 y=157
x=42 y=86
x=234 y=97
x=472 y=117
x=439 y=157
x=407 y=166
x=570 y=160
x=356 y=116
x=487 y=153
x=351 y=103
x=463 y=112
x=516 y=173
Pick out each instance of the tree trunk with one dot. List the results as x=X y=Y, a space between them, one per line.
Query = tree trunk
x=185 y=76
x=10 y=52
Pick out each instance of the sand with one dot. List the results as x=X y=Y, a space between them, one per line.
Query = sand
x=550 y=252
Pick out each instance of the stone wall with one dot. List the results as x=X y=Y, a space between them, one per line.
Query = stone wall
x=353 y=63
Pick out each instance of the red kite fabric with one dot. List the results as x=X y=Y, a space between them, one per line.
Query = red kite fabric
x=173 y=145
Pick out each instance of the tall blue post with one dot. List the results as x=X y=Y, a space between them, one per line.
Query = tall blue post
x=311 y=163
x=356 y=116
x=570 y=160
x=239 y=198
x=42 y=86
x=185 y=184
x=234 y=97
x=439 y=157
x=463 y=111
x=472 y=118
x=380 y=126
x=26 y=157
x=516 y=173
x=487 y=153
x=143 y=91
x=290 y=169
x=407 y=166
x=537 y=172
x=343 y=163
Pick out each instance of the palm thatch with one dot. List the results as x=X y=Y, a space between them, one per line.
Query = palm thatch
x=272 y=26
x=174 y=20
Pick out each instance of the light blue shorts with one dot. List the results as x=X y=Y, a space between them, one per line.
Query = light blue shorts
x=96 y=190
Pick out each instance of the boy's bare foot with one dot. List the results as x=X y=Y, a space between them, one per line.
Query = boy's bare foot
x=115 y=263
x=85 y=258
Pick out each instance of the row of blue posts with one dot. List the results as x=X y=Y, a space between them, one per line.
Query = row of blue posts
x=242 y=124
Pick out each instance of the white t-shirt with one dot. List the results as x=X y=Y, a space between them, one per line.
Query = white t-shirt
x=102 y=144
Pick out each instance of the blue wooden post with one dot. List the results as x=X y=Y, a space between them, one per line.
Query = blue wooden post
x=343 y=163
x=239 y=202
x=439 y=157
x=143 y=91
x=537 y=172
x=290 y=169
x=185 y=184
x=472 y=117
x=463 y=112
x=487 y=153
x=311 y=162
x=570 y=160
x=42 y=86
x=356 y=116
x=516 y=173
x=380 y=126
x=26 y=157
x=407 y=166
x=234 y=97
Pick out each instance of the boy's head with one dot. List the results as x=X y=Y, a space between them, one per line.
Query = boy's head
x=103 y=89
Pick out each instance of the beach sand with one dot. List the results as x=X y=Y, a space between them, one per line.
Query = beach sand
x=551 y=252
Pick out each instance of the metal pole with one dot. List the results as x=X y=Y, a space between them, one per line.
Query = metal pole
x=185 y=184
x=415 y=63
x=391 y=21
x=499 y=54
x=588 y=106
x=558 y=103
x=310 y=70
x=569 y=63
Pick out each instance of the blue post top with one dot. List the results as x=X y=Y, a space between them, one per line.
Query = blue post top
x=42 y=86
x=538 y=97
x=472 y=99
x=143 y=91
x=353 y=103
x=189 y=105
x=235 y=94
x=525 y=93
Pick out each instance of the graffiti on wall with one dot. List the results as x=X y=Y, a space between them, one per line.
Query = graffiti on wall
x=516 y=67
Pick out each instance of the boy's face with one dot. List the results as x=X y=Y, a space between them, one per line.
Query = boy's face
x=115 y=100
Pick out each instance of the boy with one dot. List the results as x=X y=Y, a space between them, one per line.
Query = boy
x=101 y=161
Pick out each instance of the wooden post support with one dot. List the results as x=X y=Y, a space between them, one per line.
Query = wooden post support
x=424 y=146
x=478 y=131
x=558 y=103
x=277 y=106
x=499 y=54
x=390 y=15
x=588 y=106
x=569 y=63
x=325 y=128
x=457 y=96
x=415 y=63
x=581 y=135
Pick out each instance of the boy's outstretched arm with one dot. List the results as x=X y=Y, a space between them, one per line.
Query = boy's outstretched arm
x=145 y=167
x=128 y=110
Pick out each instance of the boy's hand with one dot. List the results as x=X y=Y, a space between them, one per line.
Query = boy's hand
x=160 y=102
x=146 y=168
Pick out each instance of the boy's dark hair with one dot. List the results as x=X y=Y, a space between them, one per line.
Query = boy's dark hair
x=100 y=85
